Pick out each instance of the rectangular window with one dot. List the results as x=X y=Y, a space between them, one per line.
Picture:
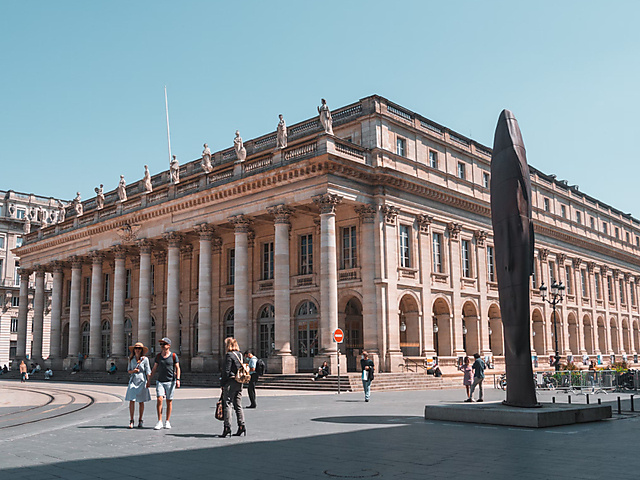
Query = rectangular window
x=87 y=291
x=604 y=228
x=598 y=289
x=401 y=145
x=1 y=270
x=437 y=253
x=267 y=261
x=306 y=254
x=433 y=159
x=107 y=287
x=578 y=217
x=127 y=284
x=583 y=277
x=534 y=274
x=592 y=222
x=622 y=296
x=461 y=172
x=405 y=259
x=15 y=301
x=569 y=283
x=13 y=349
x=485 y=180
x=466 y=258
x=563 y=211
x=14 y=324
x=628 y=237
x=547 y=208
x=617 y=230
x=18 y=242
x=20 y=213
x=610 y=287
x=491 y=268
x=16 y=273
x=2 y=241
x=552 y=274
x=231 y=266
x=153 y=280
x=632 y=292
x=68 y=293
x=349 y=249
x=637 y=241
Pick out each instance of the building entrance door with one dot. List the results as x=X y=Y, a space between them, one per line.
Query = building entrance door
x=307 y=340
x=353 y=341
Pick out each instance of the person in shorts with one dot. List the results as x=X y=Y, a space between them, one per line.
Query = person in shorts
x=168 y=367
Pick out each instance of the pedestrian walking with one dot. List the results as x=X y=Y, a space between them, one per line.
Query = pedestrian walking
x=137 y=390
x=467 y=380
x=478 y=376
x=252 y=362
x=231 y=388
x=23 y=371
x=367 y=374
x=168 y=367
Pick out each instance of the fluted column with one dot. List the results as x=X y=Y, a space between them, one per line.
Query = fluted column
x=173 y=288
x=242 y=288
x=119 y=293
x=203 y=361
x=144 y=292
x=284 y=362
x=424 y=249
x=456 y=273
x=74 y=310
x=23 y=311
x=94 y=362
x=367 y=214
x=56 y=312
x=38 y=316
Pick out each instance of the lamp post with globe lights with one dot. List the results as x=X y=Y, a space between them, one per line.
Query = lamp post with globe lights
x=557 y=295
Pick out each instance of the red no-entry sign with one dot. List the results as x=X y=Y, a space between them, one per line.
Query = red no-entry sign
x=338 y=336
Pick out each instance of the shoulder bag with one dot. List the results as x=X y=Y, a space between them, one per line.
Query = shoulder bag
x=219 y=410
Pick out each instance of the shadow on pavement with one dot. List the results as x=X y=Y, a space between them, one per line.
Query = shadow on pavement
x=372 y=419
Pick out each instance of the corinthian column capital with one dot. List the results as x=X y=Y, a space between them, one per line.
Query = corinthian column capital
x=367 y=213
x=240 y=222
x=327 y=202
x=144 y=245
x=96 y=258
x=281 y=212
x=173 y=238
x=205 y=230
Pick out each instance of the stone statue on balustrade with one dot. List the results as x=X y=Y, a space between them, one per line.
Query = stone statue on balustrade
x=26 y=228
x=77 y=205
x=206 y=159
x=61 y=212
x=281 y=134
x=325 y=117
x=174 y=170
x=43 y=218
x=241 y=152
x=99 y=197
x=122 y=189
x=146 y=181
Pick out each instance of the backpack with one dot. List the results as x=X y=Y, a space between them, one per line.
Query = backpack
x=243 y=375
x=261 y=367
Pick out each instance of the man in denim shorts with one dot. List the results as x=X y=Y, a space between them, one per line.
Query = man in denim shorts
x=168 y=367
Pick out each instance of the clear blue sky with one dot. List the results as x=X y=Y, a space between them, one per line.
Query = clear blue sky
x=81 y=88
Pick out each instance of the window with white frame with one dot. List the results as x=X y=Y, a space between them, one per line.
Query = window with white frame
x=534 y=274
x=583 y=278
x=485 y=180
x=547 y=206
x=491 y=266
x=16 y=273
x=401 y=146
x=405 y=249
x=20 y=213
x=605 y=228
x=632 y=293
x=433 y=159
x=592 y=222
x=552 y=272
x=228 y=324
x=14 y=324
x=231 y=266
x=563 y=211
x=2 y=242
x=1 y=269
x=267 y=261
x=610 y=287
x=15 y=301
x=622 y=296
x=437 y=253
x=461 y=170
x=19 y=241
x=596 y=278
x=466 y=258
x=569 y=283
x=306 y=254
x=349 y=247
x=578 y=217
x=106 y=287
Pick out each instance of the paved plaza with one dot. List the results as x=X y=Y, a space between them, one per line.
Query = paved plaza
x=293 y=435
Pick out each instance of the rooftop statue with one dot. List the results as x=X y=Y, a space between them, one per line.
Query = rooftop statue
x=206 y=159
x=174 y=170
x=241 y=152
x=26 y=228
x=99 y=197
x=281 y=134
x=514 y=243
x=122 y=189
x=77 y=205
x=325 y=117
x=61 y=212
x=146 y=181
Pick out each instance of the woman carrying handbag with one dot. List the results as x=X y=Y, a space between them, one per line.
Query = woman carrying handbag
x=137 y=391
x=233 y=376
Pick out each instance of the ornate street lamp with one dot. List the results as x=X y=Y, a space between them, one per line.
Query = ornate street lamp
x=557 y=295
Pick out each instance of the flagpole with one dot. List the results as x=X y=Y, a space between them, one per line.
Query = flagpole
x=166 y=107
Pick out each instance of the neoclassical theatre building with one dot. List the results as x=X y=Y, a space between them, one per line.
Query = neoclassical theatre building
x=371 y=218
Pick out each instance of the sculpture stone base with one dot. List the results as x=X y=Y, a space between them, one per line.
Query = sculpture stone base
x=547 y=415
x=332 y=361
x=94 y=364
x=68 y=363
x=123 y=362
x=393 y=362
x=204 y=364
x=283 y=364
x=54 y=363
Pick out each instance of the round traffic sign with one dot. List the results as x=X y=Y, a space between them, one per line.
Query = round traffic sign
x=338 y=335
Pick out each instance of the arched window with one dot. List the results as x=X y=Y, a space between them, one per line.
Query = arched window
x=267 y=331
x=152 y=347
x=106 y=339
x=85 y=338
x=228 y=324
x=307 y=308
x=307 y=335
x=128 y=337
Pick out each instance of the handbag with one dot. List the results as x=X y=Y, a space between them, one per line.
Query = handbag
x=243 y=375
x=219 y=409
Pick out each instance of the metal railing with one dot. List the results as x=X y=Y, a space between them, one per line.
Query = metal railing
x=582 y=381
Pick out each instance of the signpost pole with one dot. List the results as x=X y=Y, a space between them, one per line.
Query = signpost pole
x=338 y=348
x=338 y=338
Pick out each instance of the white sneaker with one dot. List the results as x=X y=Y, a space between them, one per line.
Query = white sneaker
x=158 y=425
x=167 y=424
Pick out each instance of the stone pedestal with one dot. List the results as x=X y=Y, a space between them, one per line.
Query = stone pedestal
x=54 y=364
x=332 y=360
x=284 y=364
x=205 y=364
x=393 y=362
x=68 y=363
x=93 y=364
x=121 y=363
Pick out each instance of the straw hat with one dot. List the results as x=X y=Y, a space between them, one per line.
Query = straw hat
x=145 y=350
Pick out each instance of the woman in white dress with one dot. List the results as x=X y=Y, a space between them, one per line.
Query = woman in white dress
x=137 y=391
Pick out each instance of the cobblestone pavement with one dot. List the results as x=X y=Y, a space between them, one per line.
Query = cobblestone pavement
x=311 y=436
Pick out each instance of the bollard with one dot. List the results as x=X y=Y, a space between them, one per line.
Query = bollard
x=553 y=399
x=569 y=399
x=619 y=406
x=587 y=399
x=633 y=408
x=599 y=401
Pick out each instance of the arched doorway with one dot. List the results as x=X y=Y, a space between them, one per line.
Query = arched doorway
x=307 y=318
x=353 y=339
x=267 y=331
x=409 y=318
x=85 y=339
x=602 y=336
x=442 y=341
x=613 y=330
x=106 y=339
x=588 y=334
x=496 y=333
x=557 y=328
x=636 y=337
x=626 y=336
x=65 y=341
x=470 y=329
x=538 y=332
x=228 y=325
x=573 y=334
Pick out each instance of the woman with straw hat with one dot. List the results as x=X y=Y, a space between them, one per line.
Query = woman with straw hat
x=137 y=391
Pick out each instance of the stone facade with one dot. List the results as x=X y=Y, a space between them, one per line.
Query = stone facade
x=382 y=228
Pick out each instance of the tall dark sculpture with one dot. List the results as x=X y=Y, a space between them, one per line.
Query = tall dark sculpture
x=513 y=238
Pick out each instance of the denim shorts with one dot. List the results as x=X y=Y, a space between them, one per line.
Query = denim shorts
x=165 y=389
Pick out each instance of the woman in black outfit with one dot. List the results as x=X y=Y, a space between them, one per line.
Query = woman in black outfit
x=367 y=374
x=232 y=389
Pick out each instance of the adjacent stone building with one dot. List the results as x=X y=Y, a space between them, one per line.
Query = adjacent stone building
x=381 y=227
